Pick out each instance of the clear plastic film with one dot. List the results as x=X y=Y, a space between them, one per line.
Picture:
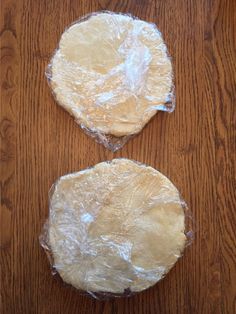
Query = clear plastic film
x=115 y=229
x=112 y=73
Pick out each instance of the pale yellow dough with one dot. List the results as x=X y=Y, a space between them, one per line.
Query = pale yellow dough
x=119 y=225
x=112 y=73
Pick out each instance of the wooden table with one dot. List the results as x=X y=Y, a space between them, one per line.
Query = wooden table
x=194 y=146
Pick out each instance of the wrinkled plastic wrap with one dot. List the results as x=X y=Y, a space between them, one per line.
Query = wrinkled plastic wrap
x=112 y=73
x=115 y=229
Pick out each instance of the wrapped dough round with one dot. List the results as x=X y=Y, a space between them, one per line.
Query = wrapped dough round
x=119 y=225
x=112 y=73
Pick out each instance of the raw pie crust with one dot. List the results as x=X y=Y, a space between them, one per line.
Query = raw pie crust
x=112 y=73
x=119 y=225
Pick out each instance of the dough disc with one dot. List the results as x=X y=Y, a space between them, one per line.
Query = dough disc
x=112 y=73
x=119 y=225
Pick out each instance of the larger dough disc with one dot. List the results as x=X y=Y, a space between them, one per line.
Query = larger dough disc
x=112 y=73
x=119 y=225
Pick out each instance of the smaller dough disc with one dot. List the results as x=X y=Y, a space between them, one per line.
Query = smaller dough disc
x=112 y=73
x=119 y=225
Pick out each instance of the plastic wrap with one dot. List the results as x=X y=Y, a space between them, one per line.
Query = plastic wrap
x=112 y=72
x=115 y=229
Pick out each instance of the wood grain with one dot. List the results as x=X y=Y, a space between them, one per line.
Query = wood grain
x=194 y=146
